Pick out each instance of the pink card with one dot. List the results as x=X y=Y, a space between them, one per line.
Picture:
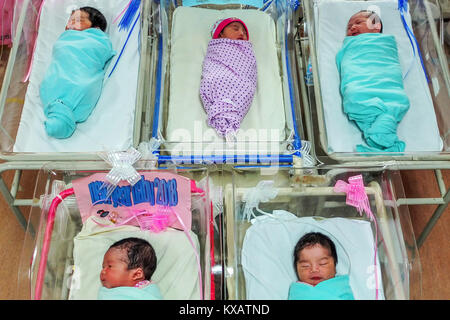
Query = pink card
x=155 y=190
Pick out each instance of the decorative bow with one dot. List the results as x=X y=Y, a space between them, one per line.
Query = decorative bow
x=155 y=222
x=125 y=23
x=263 y=192
x=122 y=169
x=356 y=194
x=402 y=8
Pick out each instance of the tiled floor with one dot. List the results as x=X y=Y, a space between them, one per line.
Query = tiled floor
x=434 y=254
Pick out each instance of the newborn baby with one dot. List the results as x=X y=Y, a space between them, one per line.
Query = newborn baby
x=229 y=76
x=371 y=83
x=127 y=268
x=315 y=262
x=73 y=82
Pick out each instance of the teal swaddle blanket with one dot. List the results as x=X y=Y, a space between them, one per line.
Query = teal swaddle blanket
x=150 y=292
x=337 y=288
x=372 y=89
x=73 y=82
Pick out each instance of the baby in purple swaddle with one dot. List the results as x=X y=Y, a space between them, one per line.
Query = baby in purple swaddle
x=229 y=76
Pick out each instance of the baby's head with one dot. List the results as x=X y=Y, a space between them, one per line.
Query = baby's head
x=364 y=21
x=128 y=262
x=230 y=28
x=315 y=258
x=85 y=18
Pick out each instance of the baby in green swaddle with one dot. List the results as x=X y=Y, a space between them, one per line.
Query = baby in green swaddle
x=364 y=21
x=315 y=260
x=126 y=271
x=371 y=85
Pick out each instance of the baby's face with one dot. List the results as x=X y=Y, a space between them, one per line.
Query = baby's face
x=79 y=20
x=234 y=31
x=315 y=264
x=362 y=23
x=115 y=271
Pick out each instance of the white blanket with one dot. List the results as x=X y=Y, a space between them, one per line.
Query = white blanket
x=419 y=127
x=110 y=126
x=187 y=118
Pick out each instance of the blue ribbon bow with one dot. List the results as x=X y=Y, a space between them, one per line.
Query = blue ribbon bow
x=125 y=23
x=402 y=8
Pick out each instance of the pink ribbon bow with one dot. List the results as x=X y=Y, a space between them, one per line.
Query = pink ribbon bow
x=356 y=194
x=148 y=221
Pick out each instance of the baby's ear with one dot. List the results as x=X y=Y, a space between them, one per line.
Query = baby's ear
x=138 y=274
x=377 y=26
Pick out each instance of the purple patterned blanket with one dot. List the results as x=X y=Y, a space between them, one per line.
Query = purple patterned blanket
x=228 y=83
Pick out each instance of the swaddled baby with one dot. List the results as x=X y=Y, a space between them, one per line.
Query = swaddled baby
x=315 y=261
x=73 y=82
x=371 y=83
x=127 y=268
x=229 y=76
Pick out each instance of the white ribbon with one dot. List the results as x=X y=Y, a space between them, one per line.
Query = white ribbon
x=263 y=192
x=122 y=168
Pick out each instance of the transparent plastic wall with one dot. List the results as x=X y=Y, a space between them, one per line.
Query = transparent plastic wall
x=24 y=33
x=60 y=275
x=428 y=28
x=312 y=195
x=202 y=144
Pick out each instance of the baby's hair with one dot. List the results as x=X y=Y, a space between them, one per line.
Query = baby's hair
x=140 y=255
x=311 y=239
x=375 y=18
x=97 y=19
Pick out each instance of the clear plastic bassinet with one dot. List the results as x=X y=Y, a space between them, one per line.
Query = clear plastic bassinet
x=271 y=130
x=55 y=264
x=266 y=212
x=426 y=76
x=114 y=123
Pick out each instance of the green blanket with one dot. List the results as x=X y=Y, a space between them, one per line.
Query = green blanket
x=150 y=292
x=372 y=89
x=337 y=288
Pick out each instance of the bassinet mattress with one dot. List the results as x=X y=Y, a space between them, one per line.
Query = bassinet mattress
x=418 y=129
x=267 y=254
x=176 y=273
x=187 y=119
x=110 y=126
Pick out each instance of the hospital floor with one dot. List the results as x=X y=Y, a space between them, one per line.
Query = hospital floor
x=434 y=254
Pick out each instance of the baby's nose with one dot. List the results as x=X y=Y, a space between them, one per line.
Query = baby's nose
x=314 y=268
